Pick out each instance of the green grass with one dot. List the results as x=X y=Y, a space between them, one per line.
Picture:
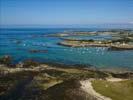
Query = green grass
x=116 y=90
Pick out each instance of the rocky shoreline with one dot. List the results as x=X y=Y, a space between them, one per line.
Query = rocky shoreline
x=110 y=45
x=119 y=39
x=50 y=81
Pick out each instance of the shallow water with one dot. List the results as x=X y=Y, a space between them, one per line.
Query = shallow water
x=18 y=43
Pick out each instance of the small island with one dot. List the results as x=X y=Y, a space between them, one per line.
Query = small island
x=119 y=39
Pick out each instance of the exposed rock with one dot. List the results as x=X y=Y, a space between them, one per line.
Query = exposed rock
x=38 y=51
x=6 y=60
x=30 y=63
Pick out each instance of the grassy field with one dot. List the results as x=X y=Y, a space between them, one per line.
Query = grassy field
x=116 y=90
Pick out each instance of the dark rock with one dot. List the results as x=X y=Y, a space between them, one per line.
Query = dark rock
x=6 y=60
x=29 y=63
x=118 y=49
x=123 y=75
x=38 y=51
x=18 y=42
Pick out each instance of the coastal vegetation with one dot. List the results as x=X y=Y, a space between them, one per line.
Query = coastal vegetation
x=116 y=90
x=43 y=81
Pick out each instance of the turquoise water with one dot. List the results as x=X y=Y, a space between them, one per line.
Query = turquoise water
x=18 y=42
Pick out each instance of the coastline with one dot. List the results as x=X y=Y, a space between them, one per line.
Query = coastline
x=8 y=61
x=36 y=66
x=54 y=80
x=81 y=43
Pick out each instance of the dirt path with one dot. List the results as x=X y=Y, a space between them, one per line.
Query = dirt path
x=86 y=86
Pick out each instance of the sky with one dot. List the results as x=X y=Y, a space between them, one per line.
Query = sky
x=65 y=12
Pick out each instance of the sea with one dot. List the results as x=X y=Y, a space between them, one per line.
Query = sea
x=19 y=42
